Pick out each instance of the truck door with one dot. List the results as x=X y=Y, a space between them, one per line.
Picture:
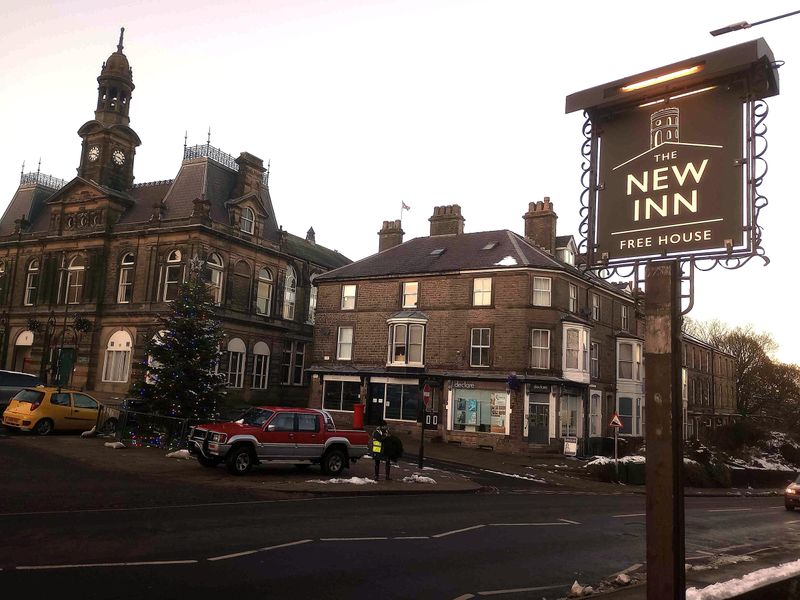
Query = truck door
x=308 y=436
x=278 y=439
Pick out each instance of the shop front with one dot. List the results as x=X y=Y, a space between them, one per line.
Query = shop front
x=479 y=413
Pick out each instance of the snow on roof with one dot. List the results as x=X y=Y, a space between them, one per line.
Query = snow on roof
x=508 y=261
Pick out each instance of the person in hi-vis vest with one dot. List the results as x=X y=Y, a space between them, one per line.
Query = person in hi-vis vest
x=378 y=449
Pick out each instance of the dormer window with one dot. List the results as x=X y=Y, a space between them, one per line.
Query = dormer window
x=247 y=222
x=567 y=256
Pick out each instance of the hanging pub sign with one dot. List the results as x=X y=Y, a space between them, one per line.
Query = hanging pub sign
x=670 y=168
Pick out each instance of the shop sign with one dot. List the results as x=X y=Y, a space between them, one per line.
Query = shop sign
x=570 y=445
x=539 y=388
x=463 y=385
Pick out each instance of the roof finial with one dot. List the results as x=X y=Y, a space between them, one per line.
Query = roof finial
x=269 y=162
x=22 y=172
x=39 y=167
x=208 y=139
x=121 y=35
x=185 y=138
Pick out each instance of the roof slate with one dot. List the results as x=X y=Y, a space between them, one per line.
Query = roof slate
x=27 y=202
x=314 y=253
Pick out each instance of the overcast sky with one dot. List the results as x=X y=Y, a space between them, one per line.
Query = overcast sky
x=362 y=105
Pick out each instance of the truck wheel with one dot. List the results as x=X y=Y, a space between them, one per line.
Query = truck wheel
x=208 y=462
x=239 y=460
x=334 y=462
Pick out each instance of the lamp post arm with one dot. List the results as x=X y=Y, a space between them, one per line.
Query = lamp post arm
x=745 y=25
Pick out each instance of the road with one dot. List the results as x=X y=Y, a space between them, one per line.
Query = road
x=164 y=541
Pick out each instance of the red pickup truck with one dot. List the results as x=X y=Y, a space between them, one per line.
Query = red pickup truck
x=278 y=435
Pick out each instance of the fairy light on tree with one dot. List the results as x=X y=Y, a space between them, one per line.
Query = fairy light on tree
x=180 y=377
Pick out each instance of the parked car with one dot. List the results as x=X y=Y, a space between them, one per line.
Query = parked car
x=46 y=409
x=791 y=495
x=272 y=434
x=13 y=381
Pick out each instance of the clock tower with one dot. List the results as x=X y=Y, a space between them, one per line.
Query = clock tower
x=109 y=144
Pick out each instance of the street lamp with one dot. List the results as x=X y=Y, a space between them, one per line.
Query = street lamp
x=745 y=25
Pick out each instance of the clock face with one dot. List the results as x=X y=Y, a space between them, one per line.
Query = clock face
x=94 y=153
x=118 y=157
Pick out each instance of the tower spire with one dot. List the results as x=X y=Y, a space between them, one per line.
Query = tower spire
x=121 y=35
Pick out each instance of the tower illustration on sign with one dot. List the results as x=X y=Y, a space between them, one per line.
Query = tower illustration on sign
x=664 y=126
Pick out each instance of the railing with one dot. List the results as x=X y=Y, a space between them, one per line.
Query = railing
x=153 y=183
x=218 y=156
x=37 y=178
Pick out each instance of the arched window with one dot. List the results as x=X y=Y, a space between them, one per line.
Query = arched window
x=236 y=355
x=248 y=221
x=32 y=283
x=289 y=294
x=125 y=289
x=173 y=273
x=264 y=292
x=240 y=286
x=260 y=366
x=118 y=358
x=216 y=269
x=73 y=290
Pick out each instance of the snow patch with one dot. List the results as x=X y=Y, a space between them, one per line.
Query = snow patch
x=751 y=581
x=352 y=480
x=604 y=460
x=91 y=433
x=417 y=478
x=180 y=454
x=515 y=476
x=508 y=261
x=114 y=445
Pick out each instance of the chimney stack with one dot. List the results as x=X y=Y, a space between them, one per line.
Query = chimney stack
x=540 y=225
x=447 y=220
x=251 y=170
x=390 y=235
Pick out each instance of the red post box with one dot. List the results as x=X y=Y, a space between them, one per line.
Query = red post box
x=358 y=416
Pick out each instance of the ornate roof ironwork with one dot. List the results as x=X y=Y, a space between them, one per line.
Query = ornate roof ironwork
x=216 y=155
x=39 y=178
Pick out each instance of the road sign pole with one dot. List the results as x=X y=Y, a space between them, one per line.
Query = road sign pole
x=666 y=577
x=616 y=453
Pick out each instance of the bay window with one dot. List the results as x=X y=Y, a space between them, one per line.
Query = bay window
x=406 y=342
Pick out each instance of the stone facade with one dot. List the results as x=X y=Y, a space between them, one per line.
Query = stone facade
x=519 y=348
x=112 y=253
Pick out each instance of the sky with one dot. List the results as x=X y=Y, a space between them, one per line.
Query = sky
x=363 y=105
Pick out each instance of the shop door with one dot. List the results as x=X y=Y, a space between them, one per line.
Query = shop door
x=539 y=424
x=375 y=403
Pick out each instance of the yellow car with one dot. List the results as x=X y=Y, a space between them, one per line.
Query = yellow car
x=47 y=409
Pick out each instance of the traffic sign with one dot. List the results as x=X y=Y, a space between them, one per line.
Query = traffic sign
x=426 y=394
x=616 y=422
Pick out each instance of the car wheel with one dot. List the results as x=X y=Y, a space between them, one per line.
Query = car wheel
x=239 y=460
x=334 y=462
x=44 y=427
x=208 y=462
x=789 y=507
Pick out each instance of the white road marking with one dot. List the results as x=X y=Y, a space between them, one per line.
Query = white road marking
x=523 y=524
x=245 y=553
x=761 y=550
x=728 y=509
x=412 y=537
x=352 y=539
x=630 y=515
x=446 y=533
x=792 y=522
x=464 y=597
x=520 y=590
x=570 y=522
x=120 y=564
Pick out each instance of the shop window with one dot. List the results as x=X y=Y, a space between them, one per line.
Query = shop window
x=482 y=291
x=125 y=286
x=542 y=290
x=344 y=344
x=569 y=415
x=479 y=347
x=264 y=292
x=410 y=294
x=261 y=356
x=341 y=395
x=480 y=411
x=349 y=297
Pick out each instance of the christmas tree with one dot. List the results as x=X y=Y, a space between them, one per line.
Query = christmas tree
x=180 y=377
